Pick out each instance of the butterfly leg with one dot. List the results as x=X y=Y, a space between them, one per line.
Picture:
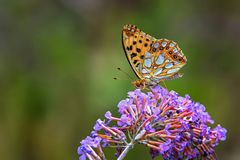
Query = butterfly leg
x=165 y=85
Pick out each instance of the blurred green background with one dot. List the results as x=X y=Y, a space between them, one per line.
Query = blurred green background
x=58 y=59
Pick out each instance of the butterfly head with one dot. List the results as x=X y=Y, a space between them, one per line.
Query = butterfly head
x=141 y=84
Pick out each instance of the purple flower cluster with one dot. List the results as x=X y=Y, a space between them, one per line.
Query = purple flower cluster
x=169 y=125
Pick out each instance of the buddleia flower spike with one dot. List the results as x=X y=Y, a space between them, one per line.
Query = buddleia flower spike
x=153 y=60
x=169 y=125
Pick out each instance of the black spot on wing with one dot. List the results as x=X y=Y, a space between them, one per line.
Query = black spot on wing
x=135 y=61
x=138 y=50
x=133 y=55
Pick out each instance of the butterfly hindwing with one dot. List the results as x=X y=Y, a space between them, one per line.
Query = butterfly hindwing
x=168 y=59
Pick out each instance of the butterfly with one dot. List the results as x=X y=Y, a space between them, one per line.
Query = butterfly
x=153 y=60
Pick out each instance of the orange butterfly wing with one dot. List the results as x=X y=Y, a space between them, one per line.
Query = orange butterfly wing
x=152 y=59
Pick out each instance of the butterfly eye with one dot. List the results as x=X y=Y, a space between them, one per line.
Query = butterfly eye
x=167 y=48
x=180 y=59
x=170 y=52
x=174 y=56
x=161 y=48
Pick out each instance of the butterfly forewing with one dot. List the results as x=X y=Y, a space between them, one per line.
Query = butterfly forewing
x=136 y=43
x=152 y=59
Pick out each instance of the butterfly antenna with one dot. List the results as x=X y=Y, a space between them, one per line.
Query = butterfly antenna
x=116 y=78
x=125 y=73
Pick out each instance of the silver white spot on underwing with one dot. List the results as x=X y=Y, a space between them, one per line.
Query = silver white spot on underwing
x=172 y=70
x=160 y=59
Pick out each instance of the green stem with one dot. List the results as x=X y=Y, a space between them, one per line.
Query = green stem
x=125 y=151
x=131 y=144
